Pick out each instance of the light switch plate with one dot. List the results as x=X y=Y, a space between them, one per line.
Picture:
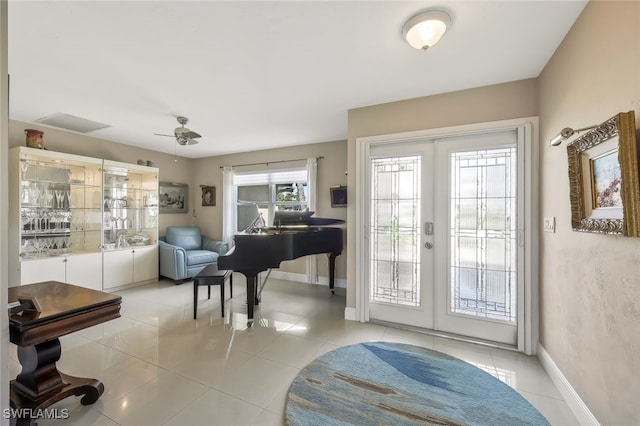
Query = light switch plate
x=550 y=224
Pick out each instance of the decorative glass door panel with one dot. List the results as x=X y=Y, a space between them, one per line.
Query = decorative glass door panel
x=483 y=234
x=395 y=233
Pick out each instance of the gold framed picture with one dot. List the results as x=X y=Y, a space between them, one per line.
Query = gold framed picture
x=603 y=178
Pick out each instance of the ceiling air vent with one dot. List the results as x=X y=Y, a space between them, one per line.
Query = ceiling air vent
x=71 y=122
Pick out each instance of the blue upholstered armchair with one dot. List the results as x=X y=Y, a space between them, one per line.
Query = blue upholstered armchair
x=184 y=252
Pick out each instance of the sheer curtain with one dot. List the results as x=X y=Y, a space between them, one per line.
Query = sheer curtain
x=228 y=206
x=312 y=175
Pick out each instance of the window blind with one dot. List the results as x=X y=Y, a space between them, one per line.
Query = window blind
x=271 y=176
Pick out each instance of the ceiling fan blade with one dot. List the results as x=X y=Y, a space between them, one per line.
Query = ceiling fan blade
x=191 y=134
x=160 y=134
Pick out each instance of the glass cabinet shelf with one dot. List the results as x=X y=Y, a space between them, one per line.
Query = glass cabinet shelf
x=130 y=206
x=60 y=203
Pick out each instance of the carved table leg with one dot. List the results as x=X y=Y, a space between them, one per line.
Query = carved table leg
x=41 y=385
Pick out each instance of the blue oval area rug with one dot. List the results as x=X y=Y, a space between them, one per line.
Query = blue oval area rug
x=383 y=383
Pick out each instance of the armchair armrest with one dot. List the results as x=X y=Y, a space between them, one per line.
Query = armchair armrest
x=219 y=247
x=173 y=261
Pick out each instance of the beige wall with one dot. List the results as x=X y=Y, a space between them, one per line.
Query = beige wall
x=79 y=144
x=485 y=104
x=331 y=171
x=590 y=284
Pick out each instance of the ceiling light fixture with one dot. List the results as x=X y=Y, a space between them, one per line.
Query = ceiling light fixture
x=566 y=133
x=426 y=28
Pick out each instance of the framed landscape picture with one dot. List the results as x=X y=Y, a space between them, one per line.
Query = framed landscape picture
x=173 y=197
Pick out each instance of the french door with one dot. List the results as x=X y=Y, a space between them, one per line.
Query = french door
x=444 y=234
x=401 y=259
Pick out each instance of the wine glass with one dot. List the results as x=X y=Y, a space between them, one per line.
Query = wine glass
x=48 y=198
x=34 y=195
x=59 y=197
x=24 y=166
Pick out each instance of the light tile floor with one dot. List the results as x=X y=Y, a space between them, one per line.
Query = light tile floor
x=161 y=367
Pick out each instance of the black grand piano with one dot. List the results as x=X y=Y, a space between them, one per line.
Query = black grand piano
x=294 y=234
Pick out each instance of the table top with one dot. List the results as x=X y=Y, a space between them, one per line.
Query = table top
x=57 y=300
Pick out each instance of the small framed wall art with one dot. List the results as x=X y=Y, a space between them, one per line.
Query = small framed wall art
x=208 y=195
x=338 y=196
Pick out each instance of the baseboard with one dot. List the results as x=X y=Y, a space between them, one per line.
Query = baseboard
x=571 y=397
x=291 y=276
x=350 y=314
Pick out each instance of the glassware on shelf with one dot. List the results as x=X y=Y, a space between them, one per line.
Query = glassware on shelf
x=24 y=167
x=59 y=197
x=48 y=198
x=34 y=196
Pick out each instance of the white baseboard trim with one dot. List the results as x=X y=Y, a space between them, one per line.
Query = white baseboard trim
x=571 y=397
x=291 y=276
x=350 y=314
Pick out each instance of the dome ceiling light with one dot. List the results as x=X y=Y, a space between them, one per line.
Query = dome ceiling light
x=425 y=29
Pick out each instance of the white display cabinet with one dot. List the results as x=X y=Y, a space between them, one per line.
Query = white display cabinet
x=68 y=213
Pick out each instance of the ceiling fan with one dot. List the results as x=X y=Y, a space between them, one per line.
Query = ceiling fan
x=183 y=135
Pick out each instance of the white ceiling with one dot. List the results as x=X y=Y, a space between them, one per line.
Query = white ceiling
x=258 y=75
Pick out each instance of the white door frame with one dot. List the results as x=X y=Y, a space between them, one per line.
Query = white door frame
x=527 y=302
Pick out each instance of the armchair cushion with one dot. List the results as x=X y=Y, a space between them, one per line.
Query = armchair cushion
x=184 y=252
x=199 y=257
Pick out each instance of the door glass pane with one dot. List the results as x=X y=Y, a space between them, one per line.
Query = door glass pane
x=483 y=233
x=395 y=231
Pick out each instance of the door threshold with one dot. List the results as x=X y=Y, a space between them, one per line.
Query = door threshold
x=446 y=335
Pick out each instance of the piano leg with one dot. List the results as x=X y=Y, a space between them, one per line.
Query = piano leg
x=332 y=270
x=251 y=298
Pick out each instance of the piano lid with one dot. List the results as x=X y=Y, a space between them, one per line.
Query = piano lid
x=301 y=218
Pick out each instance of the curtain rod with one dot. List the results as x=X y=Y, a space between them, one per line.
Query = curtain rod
x=269 y=162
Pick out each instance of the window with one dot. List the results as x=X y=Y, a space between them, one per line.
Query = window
x=264 y=193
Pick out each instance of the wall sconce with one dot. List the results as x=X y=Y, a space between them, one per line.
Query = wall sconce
x=425 y=29
x=566 y=133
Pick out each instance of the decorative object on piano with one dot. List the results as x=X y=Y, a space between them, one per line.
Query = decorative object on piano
x=208 y=195
x=174 y=197
x=603 y=178
x=34 y=138
x=338 y=196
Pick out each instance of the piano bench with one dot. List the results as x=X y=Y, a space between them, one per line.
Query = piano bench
x=209 y=276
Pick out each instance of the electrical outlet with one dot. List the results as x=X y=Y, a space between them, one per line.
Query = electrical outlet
x=550 y=224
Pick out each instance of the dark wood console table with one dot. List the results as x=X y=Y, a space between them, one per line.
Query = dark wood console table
x=65 y=308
